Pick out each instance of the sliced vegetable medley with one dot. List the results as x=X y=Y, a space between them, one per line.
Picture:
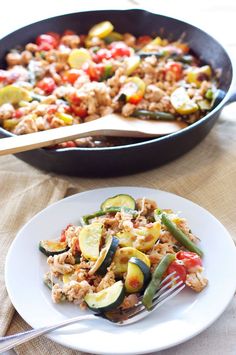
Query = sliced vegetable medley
x=120 y=252
x=69 y=78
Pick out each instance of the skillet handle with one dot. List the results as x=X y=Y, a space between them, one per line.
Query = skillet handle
x=232 y=97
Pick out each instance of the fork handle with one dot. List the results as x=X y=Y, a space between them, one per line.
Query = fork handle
x=8 y=342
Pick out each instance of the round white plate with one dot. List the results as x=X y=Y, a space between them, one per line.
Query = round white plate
x=175 y=322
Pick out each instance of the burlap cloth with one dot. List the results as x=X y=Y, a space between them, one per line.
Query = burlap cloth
x=206 y=175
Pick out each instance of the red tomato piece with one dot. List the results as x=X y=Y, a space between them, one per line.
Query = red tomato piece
x=63 y=232
x=176 y=68
x=79 y=111
x=74 y=99
x=8 y=77
x=3 y=75
x=94 y=71
x=119 y=49
x=47 y=84
x=189 y=259
x=18 y=113
x=70 y=144
x=135 y=99
x=179 y=268
x=46 y=42
x=101 y=54
x=144 y=40
x=52 y=109
x=55 y=35
x=70 y=76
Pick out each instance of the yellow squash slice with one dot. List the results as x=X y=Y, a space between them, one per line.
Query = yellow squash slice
x=101 y=30
x=197 y=75
x=182 y=102
x=142 y=239
x=89 y=240
x=122 y=257
x=132 y=63
x=13 y=94
x=77 y=57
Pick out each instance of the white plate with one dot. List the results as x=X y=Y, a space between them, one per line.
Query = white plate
x=183 y=317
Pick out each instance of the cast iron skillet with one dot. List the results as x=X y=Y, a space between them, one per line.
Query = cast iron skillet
x=141 y=155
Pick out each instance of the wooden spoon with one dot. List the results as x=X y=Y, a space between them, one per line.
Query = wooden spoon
x=110 y=125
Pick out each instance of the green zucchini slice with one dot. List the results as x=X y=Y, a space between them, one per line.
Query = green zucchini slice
x=138 y=275
x=89 y=240
x=107 y=299
x=105 y=257
x=52 y=247
x=121 y=200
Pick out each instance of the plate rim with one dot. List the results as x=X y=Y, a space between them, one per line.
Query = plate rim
x=74 y=197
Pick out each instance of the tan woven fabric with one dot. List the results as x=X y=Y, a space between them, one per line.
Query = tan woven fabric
x=39 y=346
x=22 y=196
x=206 y=175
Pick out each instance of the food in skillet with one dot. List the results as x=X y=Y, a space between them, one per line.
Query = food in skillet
x=107 y=261
x=69 y=78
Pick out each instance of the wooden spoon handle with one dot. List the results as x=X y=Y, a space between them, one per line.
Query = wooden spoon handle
x=30 y=141
x=111 y=125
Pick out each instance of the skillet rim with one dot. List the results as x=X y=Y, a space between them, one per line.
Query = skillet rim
x=182 y=132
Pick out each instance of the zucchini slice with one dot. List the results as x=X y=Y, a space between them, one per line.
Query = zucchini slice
x=52 y=247
x=142 y=239
x=89 y=240
x=121 y=200
x=77 y=57
x=107 y=299
x=122 y=257
x=182 y=103
x=132 y=63
x=13 y=94
x=105 y=257
x=138 y=275
x=101 y=29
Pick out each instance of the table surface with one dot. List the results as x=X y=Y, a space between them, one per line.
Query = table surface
x=215 y=17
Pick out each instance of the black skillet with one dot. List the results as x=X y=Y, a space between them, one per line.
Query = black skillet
x=137 y=155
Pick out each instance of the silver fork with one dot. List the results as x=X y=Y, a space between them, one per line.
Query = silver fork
x=169 y=288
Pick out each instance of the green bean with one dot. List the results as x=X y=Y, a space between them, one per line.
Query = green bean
x=180 y=236
x=156 y=280
x=186 y=59
x=148 y=54
x=157 y=115
x=86 y=218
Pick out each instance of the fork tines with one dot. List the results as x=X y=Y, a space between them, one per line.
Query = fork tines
x=169 y=287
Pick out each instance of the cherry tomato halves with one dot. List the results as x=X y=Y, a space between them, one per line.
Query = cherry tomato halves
x=189 y=259
x=178 y=267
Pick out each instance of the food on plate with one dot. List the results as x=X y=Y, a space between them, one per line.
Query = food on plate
x=120 y=252
x=69 y=78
